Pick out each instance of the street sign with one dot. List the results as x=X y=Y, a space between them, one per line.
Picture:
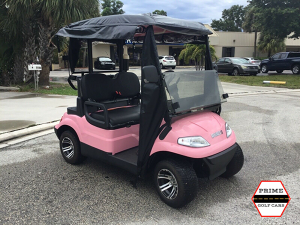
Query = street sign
x=34 y=67
x=271 y=198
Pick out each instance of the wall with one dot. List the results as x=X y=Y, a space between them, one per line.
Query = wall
x=101 y=49
x=163 y=50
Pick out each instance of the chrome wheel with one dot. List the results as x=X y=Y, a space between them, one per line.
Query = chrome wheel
x=167 y=184
x=67 y=147
x=296 y=69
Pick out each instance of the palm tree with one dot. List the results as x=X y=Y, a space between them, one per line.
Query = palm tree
x=269 y=44
x=47 y=16
x=196 y=52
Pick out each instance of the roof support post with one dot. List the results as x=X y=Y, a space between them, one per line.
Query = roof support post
x=90 y=56
x=208 y=62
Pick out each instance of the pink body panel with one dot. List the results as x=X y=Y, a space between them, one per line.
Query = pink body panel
x=198 y=124
x=112 y=141
x=202 y=124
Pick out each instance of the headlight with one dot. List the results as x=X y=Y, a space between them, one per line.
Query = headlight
x=196 y=142
x=102 y=63
x=228 y=130
x=244 y=67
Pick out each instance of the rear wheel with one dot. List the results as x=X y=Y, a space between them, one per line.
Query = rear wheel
x=264 y=69
x=296 y=69
x=176 y=182
x=235 y=72
x=173 y=67
x=279 y=71
x=235 y=165
x=161 y=66
x=70 y=148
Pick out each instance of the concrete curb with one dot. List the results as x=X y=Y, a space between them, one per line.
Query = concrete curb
x=27 y=131
x=2 y=88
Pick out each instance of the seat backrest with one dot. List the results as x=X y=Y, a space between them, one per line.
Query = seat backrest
x=127 y=85
x=98 y=87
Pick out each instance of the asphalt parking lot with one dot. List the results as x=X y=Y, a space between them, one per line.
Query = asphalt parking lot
x=38 y=187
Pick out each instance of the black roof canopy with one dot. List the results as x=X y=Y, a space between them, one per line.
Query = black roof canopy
x=126 y=26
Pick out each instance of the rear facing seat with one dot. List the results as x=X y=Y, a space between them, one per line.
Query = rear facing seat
x=99 y=89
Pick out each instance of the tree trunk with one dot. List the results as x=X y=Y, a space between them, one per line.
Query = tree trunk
x=255 y=43
x=44 y=75
x=45 y=54
x=18 y=71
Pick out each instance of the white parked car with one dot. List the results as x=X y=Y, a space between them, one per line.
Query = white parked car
x=167 y=61
x=252 y=60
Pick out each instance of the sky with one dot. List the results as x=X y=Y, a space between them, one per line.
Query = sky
x=200 y=10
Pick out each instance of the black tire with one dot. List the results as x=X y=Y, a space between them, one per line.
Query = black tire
x=279 y=71
x=296 y=69
x=235 y=72
x=161 y=66
x=173 y=67
x=68 y=140
x=180 y=173
x=264 y=68
x=235 y=165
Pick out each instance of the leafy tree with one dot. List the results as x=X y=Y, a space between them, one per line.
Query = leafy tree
x=232 y=19
x=277 y=18
x=111 y=7
x=9 y=46
x=160 y=12
x=250 y=24
x=270 y=44
x=46 y=17
x=196 y=52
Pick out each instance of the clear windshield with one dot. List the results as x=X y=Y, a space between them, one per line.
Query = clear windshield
x=193 y=90
x=239 y=61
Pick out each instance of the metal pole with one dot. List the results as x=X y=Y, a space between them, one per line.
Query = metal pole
x=90 y=56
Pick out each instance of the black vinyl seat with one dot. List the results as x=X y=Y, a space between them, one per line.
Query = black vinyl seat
x=100 y=94
x=120 y=117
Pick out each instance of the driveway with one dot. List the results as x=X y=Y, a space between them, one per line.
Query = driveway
x=23 y=109
x=38 y=187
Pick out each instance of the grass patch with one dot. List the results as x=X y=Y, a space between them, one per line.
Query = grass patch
x=292 y=81
x=54 y=88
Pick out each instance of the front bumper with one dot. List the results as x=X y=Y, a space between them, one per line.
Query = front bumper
x=217 y=163
x=250 y=71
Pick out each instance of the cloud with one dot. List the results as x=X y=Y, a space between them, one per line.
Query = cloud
x=203 y=11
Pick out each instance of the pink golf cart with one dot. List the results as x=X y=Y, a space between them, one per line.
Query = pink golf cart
x=166 y=124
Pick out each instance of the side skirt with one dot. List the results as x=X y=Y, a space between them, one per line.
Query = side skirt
x=126 y=160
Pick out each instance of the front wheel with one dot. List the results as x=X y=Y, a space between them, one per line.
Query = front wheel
x=235 y=165
x=176 y=182
x=235 y=72
x=70 y=148
x=264 y=69
x=296 y=69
